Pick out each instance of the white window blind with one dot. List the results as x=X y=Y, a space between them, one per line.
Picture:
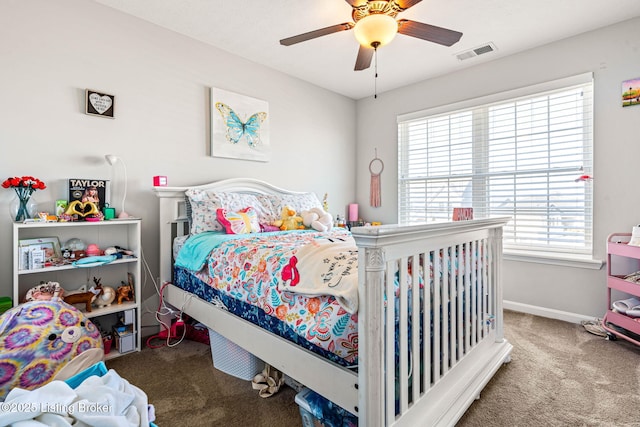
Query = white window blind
x=520 y=156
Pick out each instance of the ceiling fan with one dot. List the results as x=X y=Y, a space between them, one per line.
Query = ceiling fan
x=375 y=24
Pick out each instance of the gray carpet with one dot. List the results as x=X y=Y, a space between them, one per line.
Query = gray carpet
x=559 y=375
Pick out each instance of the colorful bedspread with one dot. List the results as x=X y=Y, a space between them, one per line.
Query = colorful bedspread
x=262 y=269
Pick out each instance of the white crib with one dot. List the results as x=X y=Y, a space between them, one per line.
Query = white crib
x=407 y=375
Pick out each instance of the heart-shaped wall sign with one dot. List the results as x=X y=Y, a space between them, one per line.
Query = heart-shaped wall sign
x=100 y=103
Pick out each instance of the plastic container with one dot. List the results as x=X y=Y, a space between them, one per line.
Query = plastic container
x=5 y=304
x=233 y=359
x=316 y=411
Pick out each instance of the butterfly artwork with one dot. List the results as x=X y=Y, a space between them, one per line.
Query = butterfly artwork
x=239 y=126
x=237 y=129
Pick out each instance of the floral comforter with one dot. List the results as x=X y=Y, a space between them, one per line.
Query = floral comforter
x=254 y=268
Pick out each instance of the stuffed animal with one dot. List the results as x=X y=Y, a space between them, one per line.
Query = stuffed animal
x=82 y=296
x=124 y=293
x=45 y=340
x=317 y=219
x=106 y=296
x=44 y=292
x=85 y=298
x=289 y=220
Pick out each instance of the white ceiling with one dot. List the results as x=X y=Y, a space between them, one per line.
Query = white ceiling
x=252 y=29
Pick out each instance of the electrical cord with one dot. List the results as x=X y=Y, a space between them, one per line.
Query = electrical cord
x=169 y=331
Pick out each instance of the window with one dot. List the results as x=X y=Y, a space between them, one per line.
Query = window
x=524 y=154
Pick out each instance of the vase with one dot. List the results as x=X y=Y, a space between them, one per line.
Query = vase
x=22 y=208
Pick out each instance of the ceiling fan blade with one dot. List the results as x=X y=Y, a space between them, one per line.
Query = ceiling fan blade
x=357 y=3
x=406 y=4
x=428 y=32
x=365 y=55
x=316 y=33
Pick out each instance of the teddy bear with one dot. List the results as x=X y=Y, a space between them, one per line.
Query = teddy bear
x=317 y=219
x=45 y=340
x=289 y=220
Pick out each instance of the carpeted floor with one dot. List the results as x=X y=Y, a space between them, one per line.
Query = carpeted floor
x=559 y=375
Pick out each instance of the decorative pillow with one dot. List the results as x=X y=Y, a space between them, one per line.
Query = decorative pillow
x=299 y=202
x=203 y=211
x=205 y=204
x=240 y=222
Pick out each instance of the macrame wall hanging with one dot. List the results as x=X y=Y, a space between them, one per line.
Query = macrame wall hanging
x=376 y=166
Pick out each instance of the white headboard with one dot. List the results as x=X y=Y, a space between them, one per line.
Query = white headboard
x=173 y=211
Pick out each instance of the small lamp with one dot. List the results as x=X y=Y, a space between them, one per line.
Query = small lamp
x=111 y=159
x=375 y=30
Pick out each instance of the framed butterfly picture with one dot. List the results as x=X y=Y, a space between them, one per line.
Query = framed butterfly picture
x=239 y=126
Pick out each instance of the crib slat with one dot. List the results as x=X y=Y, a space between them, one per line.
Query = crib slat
x=403 y=326
x=473 y=262
x=447 y=321
x=430 y=265
x=416 y=292
x=460 y=295
x=454 y=329
x=467 y=299
x=485 y=286
x=441 y=282
x=389 y=364
x=490 y=280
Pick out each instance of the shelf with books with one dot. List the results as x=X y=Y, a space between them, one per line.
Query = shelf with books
x=123 y=234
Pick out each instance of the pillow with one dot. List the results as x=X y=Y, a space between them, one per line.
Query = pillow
x=205 y=204
x=203 y=211
x=240 y=222
x=299 y=202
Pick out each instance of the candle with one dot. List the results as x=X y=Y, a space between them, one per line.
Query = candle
x=353 y=212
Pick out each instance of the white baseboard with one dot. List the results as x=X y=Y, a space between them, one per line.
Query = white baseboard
x=545 y=312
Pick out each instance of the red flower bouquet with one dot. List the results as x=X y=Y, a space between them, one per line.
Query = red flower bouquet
x=24 y=188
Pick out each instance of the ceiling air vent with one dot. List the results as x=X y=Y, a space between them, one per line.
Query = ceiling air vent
x=480 y=50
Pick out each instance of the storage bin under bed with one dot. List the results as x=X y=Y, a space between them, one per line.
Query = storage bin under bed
x=233 y=359
x=316 y=411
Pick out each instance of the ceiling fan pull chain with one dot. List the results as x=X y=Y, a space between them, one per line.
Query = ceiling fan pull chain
x=375 y=77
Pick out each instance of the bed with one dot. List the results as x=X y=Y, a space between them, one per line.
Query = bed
x=421 y=363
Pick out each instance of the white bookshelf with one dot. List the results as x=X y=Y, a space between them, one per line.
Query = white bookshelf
x=123 y=233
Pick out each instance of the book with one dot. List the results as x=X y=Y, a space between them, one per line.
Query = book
x=89 y=190
x=38 y=253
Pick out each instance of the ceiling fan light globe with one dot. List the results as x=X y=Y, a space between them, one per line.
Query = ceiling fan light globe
x=376 y=28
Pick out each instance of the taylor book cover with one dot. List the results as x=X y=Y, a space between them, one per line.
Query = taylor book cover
x=89 y=190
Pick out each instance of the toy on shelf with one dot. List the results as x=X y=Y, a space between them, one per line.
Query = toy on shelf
x=44 y=292
x=73 y=249
x=83 y=296
x=93 y=250
x=106 y=296
x=79 y=210
x=125 y=291
x=118 y=252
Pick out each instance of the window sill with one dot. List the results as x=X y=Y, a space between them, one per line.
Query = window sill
x=564 y=260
